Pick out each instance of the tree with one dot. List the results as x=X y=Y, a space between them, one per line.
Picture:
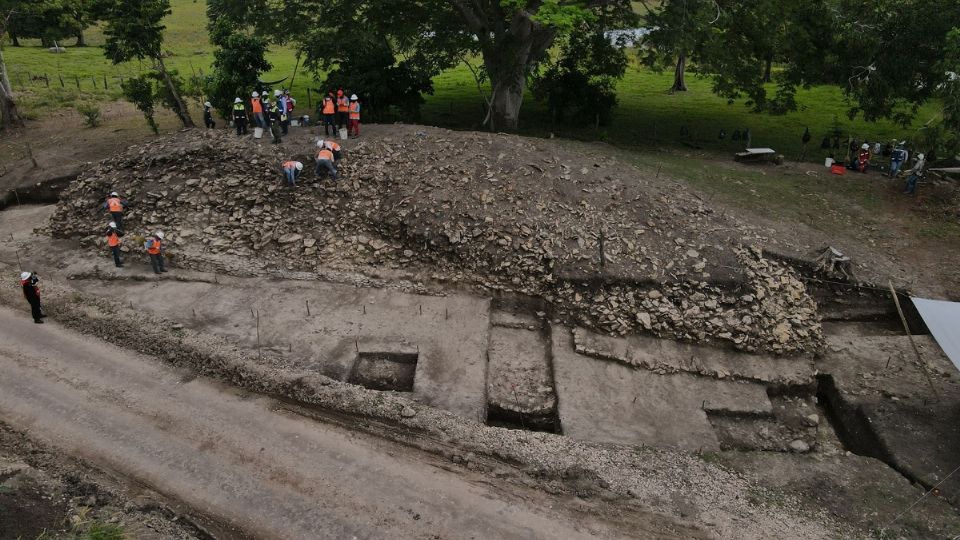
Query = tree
x=50 y=21
x=237 y=62
x=134 y=31
x=583 y=78
x=9 y=116
x=678 y=30
x=140 y=92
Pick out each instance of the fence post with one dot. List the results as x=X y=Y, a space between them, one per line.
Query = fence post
x=61 y=80
x=105 y=87
x=77 y=78
x=46 y=80
x=94 y=79
x=309 y=100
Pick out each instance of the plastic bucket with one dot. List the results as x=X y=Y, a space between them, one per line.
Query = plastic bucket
x=258 y=133
x=343 y=134
x=828 y=162
x=295 y=123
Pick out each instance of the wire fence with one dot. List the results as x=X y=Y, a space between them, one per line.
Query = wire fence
x=27 y=80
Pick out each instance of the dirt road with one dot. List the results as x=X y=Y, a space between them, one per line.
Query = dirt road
x=243 y=461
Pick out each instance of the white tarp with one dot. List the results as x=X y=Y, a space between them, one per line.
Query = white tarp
x=943 y=320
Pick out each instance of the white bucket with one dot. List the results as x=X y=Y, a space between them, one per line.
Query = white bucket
x=828 y=162
x=258 y=133
x=295 y=123
x=343 y=134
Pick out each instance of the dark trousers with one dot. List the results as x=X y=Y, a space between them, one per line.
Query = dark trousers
x=208 y=120
x=116 y=256
x=329 y=124
x=241 y=125
x=275 y=131
x=341 y=119
x=285 y=125
x=156 y=261
x=117 y=218
x=35 y=309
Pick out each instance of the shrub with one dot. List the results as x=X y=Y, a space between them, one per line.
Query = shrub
x=91 y=114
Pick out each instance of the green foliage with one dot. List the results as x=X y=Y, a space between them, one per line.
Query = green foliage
x=238 y=61
x=583 y=78
x=90 y=113
x=162 y=92
x=101 y=531
x=140 y=91
x=678 y=27
x=134 y=29
x=47 y=20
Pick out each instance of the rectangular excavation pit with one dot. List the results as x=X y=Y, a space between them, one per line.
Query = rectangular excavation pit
x=546 y=421
x=383 y=370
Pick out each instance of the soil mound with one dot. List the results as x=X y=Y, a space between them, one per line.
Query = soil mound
x=607 y=247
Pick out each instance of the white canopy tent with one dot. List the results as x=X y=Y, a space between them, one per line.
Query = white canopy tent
x=943 y=320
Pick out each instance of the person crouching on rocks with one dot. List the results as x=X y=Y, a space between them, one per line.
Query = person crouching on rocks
x=333 y=147
x=31 y=291
x=154 y=247
x=325 y=162
x=113 y=241
x=291 y=170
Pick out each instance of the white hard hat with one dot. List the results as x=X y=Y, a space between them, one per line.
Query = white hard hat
x=159 y=235
x=903 y=143
x=254 y=95
x=207 y=104
x=112 y=224
x=114 y=194
x=354 y=97
x=238 y=100
x=299 y=166
x=919 y=156
x=319 y=143
x=24 y=275
x=865 y=146
x=277 y=93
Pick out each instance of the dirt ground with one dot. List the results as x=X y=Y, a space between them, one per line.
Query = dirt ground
x=544 y=479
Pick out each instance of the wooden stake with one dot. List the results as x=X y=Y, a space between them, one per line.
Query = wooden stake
x=906 y=328
x=259 y=354
x=308 y=308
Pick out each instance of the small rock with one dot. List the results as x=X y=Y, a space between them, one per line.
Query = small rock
x=408 y=412
x=799 y=446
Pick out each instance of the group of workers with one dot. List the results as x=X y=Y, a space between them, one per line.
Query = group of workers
x=861 y=158
x=329 y=153
x=337 y=111
x=114 y=235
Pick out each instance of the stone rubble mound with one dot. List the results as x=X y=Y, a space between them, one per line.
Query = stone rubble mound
x=609 y=247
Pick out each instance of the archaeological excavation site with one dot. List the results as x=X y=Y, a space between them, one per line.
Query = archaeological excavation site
x=577 y=341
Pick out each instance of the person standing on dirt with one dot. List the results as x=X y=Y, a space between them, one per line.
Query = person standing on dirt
x=239 y=117
x=329 y=112
x=291 y=171
x=915 y=174
x=863 y=158
x=257 y=107
x=276 y=117
x=208 y=115
x=354 y=130
x=897 y=157
x=154 y=247
x=343 y=108
x=325 y=161
x=115 y=205
x=113 y=241
x=31 y=291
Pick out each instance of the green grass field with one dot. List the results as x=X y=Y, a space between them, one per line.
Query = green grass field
x=647 y=114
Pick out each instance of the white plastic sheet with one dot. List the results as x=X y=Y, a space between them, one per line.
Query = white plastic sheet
x=943 y=320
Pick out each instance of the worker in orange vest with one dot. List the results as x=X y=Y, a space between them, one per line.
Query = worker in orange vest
x=325 y=161
x=333 y=147
x=115 y=205
x=329 y=116
x=354 y=129
x=256 y=106
x=291 y=170
x=113 y=241
x=343 y=107
x=154 y=247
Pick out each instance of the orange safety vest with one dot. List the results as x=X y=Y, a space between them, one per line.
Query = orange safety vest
x=343 y=103
x=114 y=204
x=328 y=106
x=113 y=239
x=325 y=154
x=289 y=164
x=154 y=248
x=256 y=105
x=354 y=111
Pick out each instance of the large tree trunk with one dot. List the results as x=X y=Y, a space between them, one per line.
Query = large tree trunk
x=181 y=107
x=9 y=116
x=679 y=84
x=767 y=68
x=506 y=98
x=13 y=37
x=80 y=41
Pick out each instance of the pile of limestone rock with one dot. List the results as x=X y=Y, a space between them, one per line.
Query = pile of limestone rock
x=608 y=247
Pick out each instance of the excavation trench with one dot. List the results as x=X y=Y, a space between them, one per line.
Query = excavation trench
x=45 y=192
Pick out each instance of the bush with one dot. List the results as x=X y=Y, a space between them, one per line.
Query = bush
x=90 y=113
x=104 y=532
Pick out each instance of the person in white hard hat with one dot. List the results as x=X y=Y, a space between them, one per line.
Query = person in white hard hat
x=113 y=242
x=291 y=170
x=31 y=291
x=239 y=117
x=256 y=107
x=863 y=157
x=915 y=174
x=354 y=129
x=324 y=161
x=208 y=115
x=332 y=146
x=154 y=247
x=116 y=206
